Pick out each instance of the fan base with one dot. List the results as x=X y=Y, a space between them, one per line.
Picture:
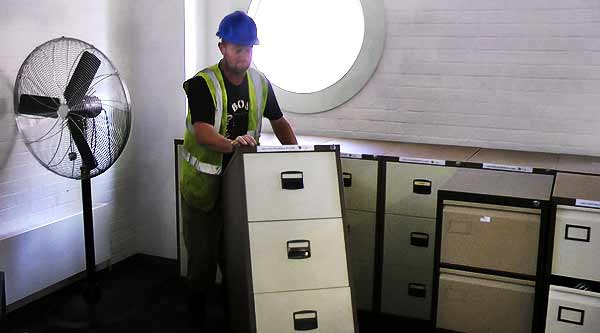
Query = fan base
x=77 y=313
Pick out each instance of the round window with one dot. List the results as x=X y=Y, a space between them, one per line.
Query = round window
x=307 y=46
x=317 y=53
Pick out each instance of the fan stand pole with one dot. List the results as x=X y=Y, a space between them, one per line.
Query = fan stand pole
x=92 y=292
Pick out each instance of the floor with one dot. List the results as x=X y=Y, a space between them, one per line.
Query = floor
x=143 y=294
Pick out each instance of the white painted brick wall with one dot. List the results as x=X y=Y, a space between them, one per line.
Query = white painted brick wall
x=514 y=74
x=30 y=195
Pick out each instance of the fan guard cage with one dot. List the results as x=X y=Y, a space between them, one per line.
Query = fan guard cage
x=44 y=77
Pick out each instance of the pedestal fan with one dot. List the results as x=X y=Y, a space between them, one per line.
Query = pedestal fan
x=73 y=112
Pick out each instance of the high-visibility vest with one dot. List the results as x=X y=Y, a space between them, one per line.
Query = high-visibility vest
x=200 y=170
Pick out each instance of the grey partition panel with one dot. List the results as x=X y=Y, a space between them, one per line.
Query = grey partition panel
x=362 y=255
x=411 y=189
x=408 y=266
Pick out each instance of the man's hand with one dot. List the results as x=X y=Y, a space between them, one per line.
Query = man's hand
x=244 y=140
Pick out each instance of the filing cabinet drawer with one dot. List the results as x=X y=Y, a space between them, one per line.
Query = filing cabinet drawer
x=293 y=255
x=360 y=184
x=409 y=241
x=411 y=189
x=361 y=235
x=477 y=303
x=406 y=291
x=576 y=243
x=323 y=310
x=572 y=311
x=362 y=253
x=362 y=275
x=491 y=238
x=290 y=186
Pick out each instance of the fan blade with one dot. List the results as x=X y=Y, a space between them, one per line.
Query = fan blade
x=39 y=105
x=76 y=127
x=81 y=80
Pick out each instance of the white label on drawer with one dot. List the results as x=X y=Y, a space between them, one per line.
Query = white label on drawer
x=349 y=155
x=504 y=167
x=305 y=316
x=587 y=203
x=570 y=315
x=422 y=160
x=264 y=149
x=485 y=219
x=578 y=233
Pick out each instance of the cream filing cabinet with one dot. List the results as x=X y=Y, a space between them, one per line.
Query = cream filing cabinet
x=574 y=295
x=360 y=196
x=411 y=185
x=492 y=229
x=286 y=241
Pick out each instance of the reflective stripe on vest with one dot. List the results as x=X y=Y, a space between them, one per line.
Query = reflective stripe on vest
x=260 y=101
x=200 y=166
x=218 y=103
x=218 y=99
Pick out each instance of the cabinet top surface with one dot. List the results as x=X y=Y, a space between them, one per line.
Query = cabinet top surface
x=572 y=186
x=501 y=183
x=513 y=157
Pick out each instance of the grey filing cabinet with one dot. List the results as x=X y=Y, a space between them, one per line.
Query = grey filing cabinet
x=411 y=185
x=360 y=197
x=492 y=231
x=574 y=295
x=286 y=241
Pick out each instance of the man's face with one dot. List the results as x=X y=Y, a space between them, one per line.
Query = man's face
x=237 y=58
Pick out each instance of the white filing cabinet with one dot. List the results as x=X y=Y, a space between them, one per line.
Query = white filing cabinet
x=577 y=242
x=409 y=237
x=360 y=196
x=572 y=311
x=574 y=296
x=286 y=242
x=491 y=232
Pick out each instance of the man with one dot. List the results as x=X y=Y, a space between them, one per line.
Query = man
x=226 y=104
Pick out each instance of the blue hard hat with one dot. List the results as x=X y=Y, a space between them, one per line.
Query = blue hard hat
x=238 y=28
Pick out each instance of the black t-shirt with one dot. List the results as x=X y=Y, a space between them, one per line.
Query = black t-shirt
x=202 y=107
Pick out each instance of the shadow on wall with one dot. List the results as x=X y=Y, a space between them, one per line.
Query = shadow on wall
x=8 y=126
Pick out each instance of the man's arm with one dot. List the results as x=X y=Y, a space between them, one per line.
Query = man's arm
x=284 y=132
x=208 y=136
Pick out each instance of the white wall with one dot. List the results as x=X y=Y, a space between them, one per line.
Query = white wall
x=516 y=74
x=144 y=40
x=160 y=108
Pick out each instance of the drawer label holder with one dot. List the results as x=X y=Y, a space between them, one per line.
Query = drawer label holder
x=305 y=320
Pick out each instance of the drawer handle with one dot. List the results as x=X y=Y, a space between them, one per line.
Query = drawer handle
x=419 y=239
x=305 y=320
x=417 y=290
x=298 y=249
x=292 y=180
x=570 y=315
x=422 y=186
x=347 y=179
x=574 y=233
